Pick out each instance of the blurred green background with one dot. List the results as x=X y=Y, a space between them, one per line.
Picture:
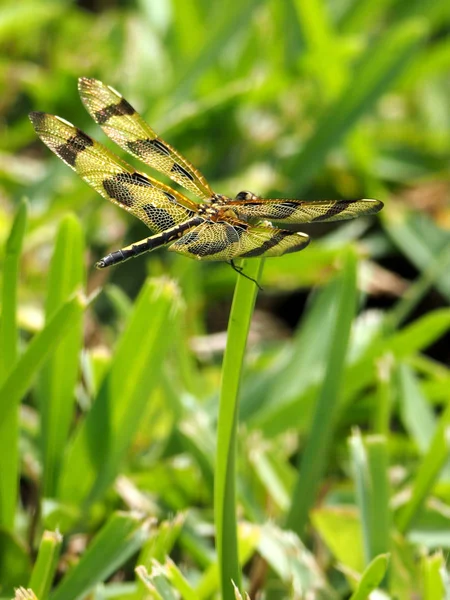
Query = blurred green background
x=306 y=99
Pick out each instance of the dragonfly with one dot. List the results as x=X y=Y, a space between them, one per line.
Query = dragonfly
x=217 y=228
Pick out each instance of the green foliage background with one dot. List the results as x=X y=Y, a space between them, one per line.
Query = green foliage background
x=109 y=405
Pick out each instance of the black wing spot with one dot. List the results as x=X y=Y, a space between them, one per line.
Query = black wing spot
x=169 y=196
x=199 y=246
x=273 y=241
x=189 y=238
x=138 y=179
x=74 y=145
x=333 y=211
x=118 y=189
x=181 y=171
x=302 y=243
x=113 y=110
x=158 y=216
x=288 y=204
x=145 y=146
x=159 y=147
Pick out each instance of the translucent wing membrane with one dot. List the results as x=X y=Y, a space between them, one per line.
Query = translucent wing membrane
x=126 y=127
x=156 y=204
x=219 y=229
x=302 y=211
x=234 y=239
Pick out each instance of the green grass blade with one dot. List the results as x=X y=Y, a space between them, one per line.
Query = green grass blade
x=379 y=68
x=416 y=413
x=426 y=246
x=403 y=344
x=156 y=585
x=115 y=543
x=372 y=577
x=9 y=424
x=315 y=454
x=19 y=381
x=427 y=472
x=378 y=463
x=363 y=491
x=433 y=568
x=433 y=273
x=56 y=389
x=46 y=563
x=94 y=457
x=224 y=483
x=369 y=458
x=8 y=319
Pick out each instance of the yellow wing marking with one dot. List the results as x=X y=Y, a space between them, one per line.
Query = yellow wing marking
x=128 y=129
x=234 y=239
x=302 y=211
x=156 y=204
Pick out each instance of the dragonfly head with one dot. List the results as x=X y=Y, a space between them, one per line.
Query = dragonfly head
x=245 y=195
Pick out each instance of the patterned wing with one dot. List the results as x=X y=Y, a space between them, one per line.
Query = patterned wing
x=156 y=204
x=126 y=127
x=235 y=239
x=302 y=211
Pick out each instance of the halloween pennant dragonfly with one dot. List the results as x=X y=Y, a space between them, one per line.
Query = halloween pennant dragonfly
x=217 y=228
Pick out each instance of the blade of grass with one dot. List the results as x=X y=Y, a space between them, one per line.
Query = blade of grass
x=9 y=424
x=114 y=544
x=363 y=491
x=370 y=463
x=377 y=462
x=426 y=246
x=313 y=459
x=371 y=578
x=56 y=386
x=20 y=379
x=428 y=470
x=156 y=583
x=46 y=563
x=433 y=570
x=435 y=271
x=95 y=454
x=415 y=411
x=224 y=483
x=8 y=320
x=405 y=343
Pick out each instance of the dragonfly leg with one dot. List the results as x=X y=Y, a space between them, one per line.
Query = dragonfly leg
x=240 y=271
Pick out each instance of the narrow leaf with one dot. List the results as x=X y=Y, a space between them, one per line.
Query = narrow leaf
x=224 y=483
x=115 y=543
x=56 y=389
x=46 y=563
x=314 y=457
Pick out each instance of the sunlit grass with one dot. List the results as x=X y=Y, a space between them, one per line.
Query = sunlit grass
x=157 y=440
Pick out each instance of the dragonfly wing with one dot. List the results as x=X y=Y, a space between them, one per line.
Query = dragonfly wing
x=230 y=240
x=302 y=211
x=156 y=204
x=128 y=129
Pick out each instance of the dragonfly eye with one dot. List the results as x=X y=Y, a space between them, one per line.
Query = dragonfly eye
x=245 y=196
